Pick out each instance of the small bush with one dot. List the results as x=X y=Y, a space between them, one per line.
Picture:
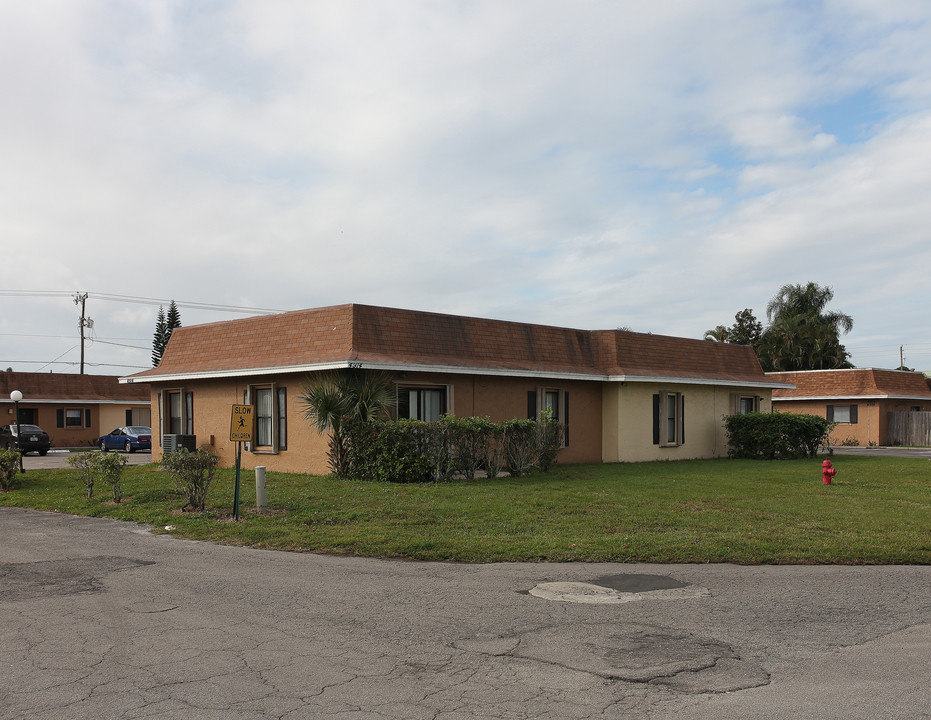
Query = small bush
x=109 y=468
x=192 y=472
x=776 y=435
x=93 y=467
x=85 y=464
x=520 y=446
x=10 y=476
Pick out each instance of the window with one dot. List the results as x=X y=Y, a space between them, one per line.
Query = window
x=263 y=417
x=422 y=403
x=556 y=403
x=668 y=419
x=139 y=416
x=71 y=417
x=551 y=404
x=744 y=404
x=282 y=418
x=747 y=404
x=842 y=414
x=178 y=416
x=271 y=425
x=174 y=413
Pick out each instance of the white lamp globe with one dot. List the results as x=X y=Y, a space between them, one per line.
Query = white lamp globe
x=16 y=396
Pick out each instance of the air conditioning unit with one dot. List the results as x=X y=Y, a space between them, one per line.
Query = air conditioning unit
x=173 y=443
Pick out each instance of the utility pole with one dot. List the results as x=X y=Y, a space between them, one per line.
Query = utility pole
x=84 y=322
x=901 y=357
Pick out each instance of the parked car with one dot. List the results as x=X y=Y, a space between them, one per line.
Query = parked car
x=34 y=439
x=128 y=438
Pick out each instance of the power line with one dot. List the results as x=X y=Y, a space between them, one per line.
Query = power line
x=104 y=342
x=143 y=301
x=72 y=363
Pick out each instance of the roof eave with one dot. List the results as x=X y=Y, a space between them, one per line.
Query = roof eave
x=451 y=369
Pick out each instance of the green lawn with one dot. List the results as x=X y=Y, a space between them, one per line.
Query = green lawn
x=877 y=511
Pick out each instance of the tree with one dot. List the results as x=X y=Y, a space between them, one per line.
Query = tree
x=331 y=402
x=746 y=330
x=803 y=334
x=163 y=328
x=159 y=340
x=719 y=334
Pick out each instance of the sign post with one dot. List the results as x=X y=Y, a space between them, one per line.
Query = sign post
x=240 y=432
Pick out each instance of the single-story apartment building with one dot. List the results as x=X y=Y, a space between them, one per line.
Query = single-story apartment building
x=74 y=409
x=623 y=396
x=859 y=400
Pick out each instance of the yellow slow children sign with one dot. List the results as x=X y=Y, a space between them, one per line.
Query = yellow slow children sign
x=241 y=423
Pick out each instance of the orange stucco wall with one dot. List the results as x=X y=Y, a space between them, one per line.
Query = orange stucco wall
x=872 y=417
x=103 y=418
x=469 y=395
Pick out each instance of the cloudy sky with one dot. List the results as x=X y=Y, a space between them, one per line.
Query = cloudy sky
x=589 y=164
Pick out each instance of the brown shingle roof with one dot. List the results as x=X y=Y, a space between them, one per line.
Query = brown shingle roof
x=364 y=333
x=59 y=386
x=851 y=383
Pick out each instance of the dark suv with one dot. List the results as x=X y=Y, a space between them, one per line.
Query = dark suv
x=34 y=438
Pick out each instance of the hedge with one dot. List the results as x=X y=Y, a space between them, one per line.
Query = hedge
x=418 y=451
x=776 y=435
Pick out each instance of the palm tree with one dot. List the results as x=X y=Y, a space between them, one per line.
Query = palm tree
x=808 y=300
x=332 y=401
x=803 y=335
x=719 y=334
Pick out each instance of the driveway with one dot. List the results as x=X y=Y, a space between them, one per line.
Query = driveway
x=103 y=619
x=903 y=452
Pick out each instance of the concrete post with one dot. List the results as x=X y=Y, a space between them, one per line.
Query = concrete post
x=261 y=501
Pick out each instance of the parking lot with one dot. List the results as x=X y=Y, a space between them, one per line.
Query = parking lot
x=59 y=459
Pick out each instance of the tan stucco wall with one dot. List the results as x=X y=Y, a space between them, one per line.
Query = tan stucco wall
x=114 y=416
x=628 y=420
x=872 y=416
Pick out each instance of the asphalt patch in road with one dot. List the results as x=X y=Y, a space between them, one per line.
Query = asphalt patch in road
x=25 y=581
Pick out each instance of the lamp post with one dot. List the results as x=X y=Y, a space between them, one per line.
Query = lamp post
x=16 y=396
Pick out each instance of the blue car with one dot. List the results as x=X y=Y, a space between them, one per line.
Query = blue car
x=129 y=439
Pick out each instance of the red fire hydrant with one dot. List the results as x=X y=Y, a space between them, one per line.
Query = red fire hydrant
x=827 y=472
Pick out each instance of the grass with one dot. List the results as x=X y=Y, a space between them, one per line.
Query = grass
x=878 y=510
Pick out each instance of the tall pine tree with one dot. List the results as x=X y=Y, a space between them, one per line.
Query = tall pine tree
x=158 y=339
x=164 y=325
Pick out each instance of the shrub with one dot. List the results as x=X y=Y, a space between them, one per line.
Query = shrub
x=93 y=467
x=776 y=435
x=109 y=468
x=84 y=463
x=193 y=472
x=10 y=476
x=389 y=451
x=549 y=441
x=417 y=451
x=468 y=438
x=520 y=446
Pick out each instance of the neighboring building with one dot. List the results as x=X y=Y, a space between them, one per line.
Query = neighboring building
x=859 y=400
x=623 y=396
x=74 y=409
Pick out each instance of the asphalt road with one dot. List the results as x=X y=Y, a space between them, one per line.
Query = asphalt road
x=103 y=619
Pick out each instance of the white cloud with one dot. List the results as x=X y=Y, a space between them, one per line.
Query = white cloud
x=593 y=165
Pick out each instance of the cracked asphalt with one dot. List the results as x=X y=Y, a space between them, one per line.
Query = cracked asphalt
x=102 y=619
